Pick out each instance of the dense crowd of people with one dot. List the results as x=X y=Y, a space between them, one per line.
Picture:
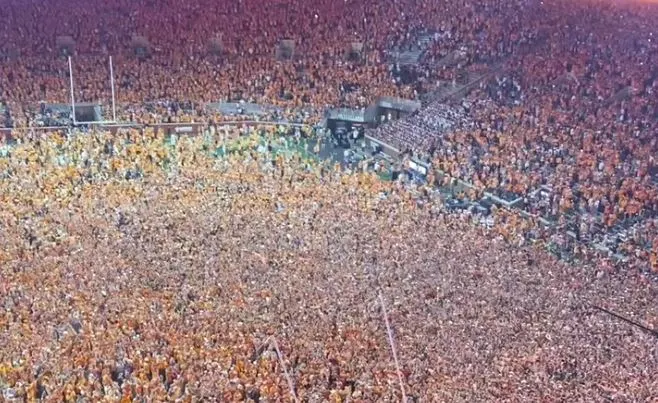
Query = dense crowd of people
x=216 y=52
x=229 y=266
x=139 y=266
x=181 y=64
x=572 y=115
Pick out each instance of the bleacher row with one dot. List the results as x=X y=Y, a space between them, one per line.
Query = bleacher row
x=568 y=126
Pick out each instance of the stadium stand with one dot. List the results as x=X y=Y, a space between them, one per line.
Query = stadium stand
x=220 y=244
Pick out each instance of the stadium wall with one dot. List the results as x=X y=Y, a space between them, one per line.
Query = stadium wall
x=191 y=129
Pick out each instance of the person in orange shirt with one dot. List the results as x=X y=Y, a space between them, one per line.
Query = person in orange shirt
x=653 y=260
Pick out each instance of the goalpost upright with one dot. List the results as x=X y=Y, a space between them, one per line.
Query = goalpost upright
x=114 y=105
x=72 y=92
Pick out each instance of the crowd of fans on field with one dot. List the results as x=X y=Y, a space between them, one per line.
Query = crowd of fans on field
x=138 y=266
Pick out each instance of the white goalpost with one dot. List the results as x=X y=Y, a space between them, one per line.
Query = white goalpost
x=114 y=108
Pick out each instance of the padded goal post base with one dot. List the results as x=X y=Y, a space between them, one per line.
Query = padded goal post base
x=141 y=46
x=65 y=45
x=285 y=50
x=215 y=45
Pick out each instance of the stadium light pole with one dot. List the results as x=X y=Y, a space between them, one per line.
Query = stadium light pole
x=72 y=95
